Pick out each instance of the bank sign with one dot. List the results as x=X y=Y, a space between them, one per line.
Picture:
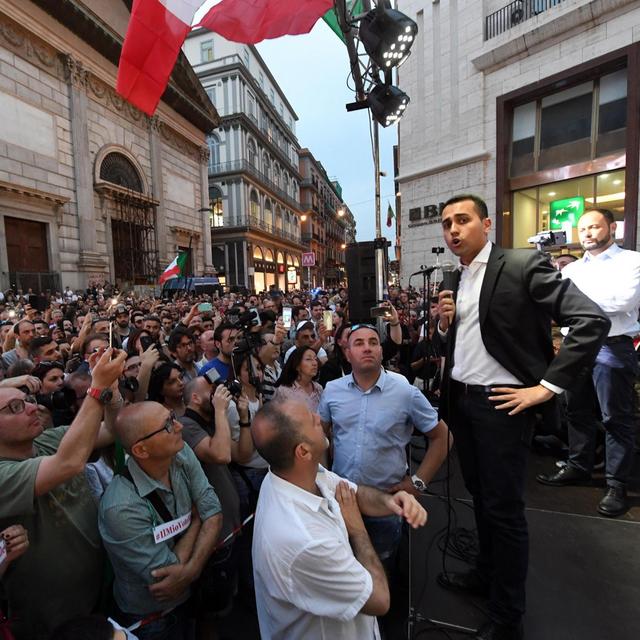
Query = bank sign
x=564 y=211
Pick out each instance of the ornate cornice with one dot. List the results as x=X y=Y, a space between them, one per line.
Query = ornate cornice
x=204 y=155
x=76 y=74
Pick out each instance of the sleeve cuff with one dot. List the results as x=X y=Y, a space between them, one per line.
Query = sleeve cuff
x=552 y=387
x=441 y=333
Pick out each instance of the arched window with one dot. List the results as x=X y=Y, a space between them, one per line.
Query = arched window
x=285 y=182
x=213 y=142
x=268 y=255
x=268 y=213
x=251 y=153
x=278 y=219
x=216 y=212
x=266 y=166
x=276 y=175
x=254 y=205
x=118 y=169
x=257 y=253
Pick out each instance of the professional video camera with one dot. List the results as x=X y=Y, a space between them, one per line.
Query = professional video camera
x=548 y=239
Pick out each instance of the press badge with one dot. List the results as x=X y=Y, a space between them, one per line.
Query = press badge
x=168 y=530
x=3 y=550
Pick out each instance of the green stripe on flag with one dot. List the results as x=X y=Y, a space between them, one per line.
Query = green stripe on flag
x=331 y=18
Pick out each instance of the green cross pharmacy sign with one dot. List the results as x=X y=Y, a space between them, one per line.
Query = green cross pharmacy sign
x=563 y=211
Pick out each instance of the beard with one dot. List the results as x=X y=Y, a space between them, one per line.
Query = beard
x=588 y=245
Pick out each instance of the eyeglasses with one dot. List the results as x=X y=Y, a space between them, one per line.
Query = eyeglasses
x=18 y=405
x=167 y=426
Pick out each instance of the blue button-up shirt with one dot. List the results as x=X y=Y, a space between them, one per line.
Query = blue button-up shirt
x=372 y=428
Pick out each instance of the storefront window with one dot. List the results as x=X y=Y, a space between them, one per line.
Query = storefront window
x=552 y=205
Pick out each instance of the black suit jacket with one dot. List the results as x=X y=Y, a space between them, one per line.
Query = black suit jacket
x=521 y=293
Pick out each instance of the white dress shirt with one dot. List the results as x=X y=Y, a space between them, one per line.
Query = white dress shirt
x=472 y=363
x=308 y=583
x=612 y=280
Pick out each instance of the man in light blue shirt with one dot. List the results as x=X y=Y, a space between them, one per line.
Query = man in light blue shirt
x=371 y=414
x=610 y=276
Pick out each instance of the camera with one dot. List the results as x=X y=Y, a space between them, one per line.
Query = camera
x=548 y=238
x=57 y=400
x=128 y=384
x=234 y=387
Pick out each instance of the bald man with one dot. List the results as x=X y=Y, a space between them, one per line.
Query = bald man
x=159 y=521
x=316 y=573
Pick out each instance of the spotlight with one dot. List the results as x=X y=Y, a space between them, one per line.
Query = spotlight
x=384 y=32
x=387 y=104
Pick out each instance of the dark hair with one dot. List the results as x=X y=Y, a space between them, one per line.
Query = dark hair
x=267 y=316
x=16 y=328
x=279 y=449
x=22 y=367
x=152 y=317
x=90 y=338
x=217 y=334
x=238 y=358
x=315 y=303
x=94 y=627
x=176 y=335
x=290 y=370
x=606 y=213
x=42 y=368
x=306 y=326
x=295 y=312
x=134 y=334
x=158 y=377
x=480 y=204
x=37 y=344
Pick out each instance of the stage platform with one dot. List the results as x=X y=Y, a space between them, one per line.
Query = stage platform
x=584 y=571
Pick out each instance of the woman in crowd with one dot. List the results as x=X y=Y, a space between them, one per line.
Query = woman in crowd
x=166 y=387
x=297 y=379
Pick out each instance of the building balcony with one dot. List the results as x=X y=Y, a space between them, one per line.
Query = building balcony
x=243 y=166
x=513 y=14
x=253 y=222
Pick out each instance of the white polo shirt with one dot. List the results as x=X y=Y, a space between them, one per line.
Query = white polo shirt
x=308 y=583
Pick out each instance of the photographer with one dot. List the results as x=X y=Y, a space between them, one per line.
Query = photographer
x=55 y=401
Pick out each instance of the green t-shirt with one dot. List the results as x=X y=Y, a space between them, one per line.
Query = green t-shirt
x=60 y=575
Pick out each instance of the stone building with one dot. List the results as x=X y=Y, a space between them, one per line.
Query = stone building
x=327 y=223
x=254 y=180
x=534 y=105
x=91 y=189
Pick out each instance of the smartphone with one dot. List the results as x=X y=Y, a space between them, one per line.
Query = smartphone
x=205 y=306
x=286 y=317
x=146 y=342
x=381 y=312
x=327 y=319
x=110 y=335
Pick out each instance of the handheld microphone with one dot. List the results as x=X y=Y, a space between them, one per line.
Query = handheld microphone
x=449 y=277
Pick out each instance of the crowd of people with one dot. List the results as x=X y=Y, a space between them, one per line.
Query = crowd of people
x=161 y=457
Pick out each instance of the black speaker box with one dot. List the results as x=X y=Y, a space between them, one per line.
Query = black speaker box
x=361 y=275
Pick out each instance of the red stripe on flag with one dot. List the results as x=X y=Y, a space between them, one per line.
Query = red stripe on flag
x=170 y=273
x=149 y=53
x=250 y=21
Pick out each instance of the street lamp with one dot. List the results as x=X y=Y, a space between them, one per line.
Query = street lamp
x=303 y=217
x=340 y=212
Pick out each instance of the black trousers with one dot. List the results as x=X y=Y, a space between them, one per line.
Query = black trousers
x=493 y=449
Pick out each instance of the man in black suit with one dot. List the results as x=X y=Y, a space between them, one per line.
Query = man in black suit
x=500 y=363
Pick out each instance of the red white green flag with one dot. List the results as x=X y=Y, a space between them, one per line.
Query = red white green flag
x=176 y=268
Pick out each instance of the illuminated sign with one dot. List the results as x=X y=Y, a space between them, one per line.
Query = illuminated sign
x=562 y=212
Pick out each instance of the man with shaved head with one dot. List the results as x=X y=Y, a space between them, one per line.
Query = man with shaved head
x=316 y=572
x=159 y=521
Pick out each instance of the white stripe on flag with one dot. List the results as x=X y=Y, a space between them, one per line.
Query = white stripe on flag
x=184 y=10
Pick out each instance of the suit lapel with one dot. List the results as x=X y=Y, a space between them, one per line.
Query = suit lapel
x=494 y=267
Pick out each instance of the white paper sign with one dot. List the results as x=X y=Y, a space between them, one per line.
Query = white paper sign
x=168 y=530
x=3 y=550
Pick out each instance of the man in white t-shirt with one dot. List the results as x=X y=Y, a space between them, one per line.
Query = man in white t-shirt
x=316 y=574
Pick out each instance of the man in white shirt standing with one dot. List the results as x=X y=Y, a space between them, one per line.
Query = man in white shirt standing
x=317 y=576
x=610 y=276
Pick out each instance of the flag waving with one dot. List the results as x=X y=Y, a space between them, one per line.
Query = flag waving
x=251 y=21
x=390 y=214
x=176 y=268
x=156 y=31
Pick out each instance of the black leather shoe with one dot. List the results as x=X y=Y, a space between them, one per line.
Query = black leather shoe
x=614 y=502
x=466 y=582
x=495 y=631
x=564 y=477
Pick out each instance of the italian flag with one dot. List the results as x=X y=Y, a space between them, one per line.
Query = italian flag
x=390 y=214
x=176 y=268
x=158 y=28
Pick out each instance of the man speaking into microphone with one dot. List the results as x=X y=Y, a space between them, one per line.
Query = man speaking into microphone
x=499 y=364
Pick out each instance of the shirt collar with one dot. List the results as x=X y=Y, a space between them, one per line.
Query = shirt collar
x=298 y=494
x=145 y=484
x=481 y=258
x=378 y=383
x=605 y=255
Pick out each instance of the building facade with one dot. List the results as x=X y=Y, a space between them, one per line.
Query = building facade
x=533 y=104
x=327 y=223
x=254 y=180
x=91 y=189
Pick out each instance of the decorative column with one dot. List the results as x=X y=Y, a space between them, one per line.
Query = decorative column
x=157 y=191
x=204 y=210
x=90 y=261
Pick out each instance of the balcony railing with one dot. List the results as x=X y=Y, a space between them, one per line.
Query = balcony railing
x=513 y=14
x=236 y=166
x=255 y=223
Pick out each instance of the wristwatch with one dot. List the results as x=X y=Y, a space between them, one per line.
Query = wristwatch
x=101 y=395
x=418 y=483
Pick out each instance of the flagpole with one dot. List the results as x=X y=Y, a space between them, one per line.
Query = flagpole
x=376 y=163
